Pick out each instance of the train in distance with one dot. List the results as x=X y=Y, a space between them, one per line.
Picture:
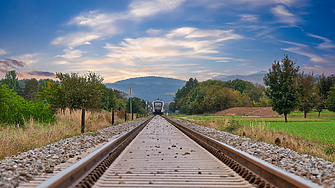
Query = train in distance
x=158 y=107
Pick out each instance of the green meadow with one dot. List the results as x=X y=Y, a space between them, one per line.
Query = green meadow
x=312 y=135
x=319 y=129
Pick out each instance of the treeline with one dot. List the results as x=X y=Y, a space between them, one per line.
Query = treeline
x=287 y=90
x=40 y=99
x=214 y=95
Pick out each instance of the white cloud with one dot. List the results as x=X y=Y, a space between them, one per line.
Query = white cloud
x=249 y=18
x=327 y=44
x=60 y=62
x=143 y=8
x=103 y=25
x=305 y=50
x=182 y=42
x=294 y=43
x=288 y=3
x=245 y=4
x=3 y=52
x=28 y=58
x=77 y=39
x=316 y=69
x=218 y=59
x=284 y=16
x=314 y=58
x=71 y=54
x=190 y=32
x=153 y=31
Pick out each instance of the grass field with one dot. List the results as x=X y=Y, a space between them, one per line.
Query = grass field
x=312 y=135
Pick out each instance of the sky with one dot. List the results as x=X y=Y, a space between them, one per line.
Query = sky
x=169 y=38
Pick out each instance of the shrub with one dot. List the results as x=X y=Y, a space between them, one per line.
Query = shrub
x=14 y=110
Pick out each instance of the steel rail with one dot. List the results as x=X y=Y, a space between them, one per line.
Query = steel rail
x=73 y=175
x=253 y=169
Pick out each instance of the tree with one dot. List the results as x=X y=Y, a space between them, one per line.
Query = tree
x=81 y=91
x=53 y=95
x=172 y=106
x=323 y=85
x=14 y=110
x=307 y=92
x=108 y=100
x=11 y=80
x=330 y=102
x=183 y=92
x=282 y=88
x=30 y=90
x=136 y=105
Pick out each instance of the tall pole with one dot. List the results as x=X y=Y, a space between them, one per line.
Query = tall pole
x=146 y=108
x=131 y=107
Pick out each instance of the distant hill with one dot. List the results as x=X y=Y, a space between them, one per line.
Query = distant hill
x=150 y=87
x=254 y=78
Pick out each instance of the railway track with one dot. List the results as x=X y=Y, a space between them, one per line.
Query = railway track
x=157 y=153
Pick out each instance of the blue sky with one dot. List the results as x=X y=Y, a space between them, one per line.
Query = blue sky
x=169 y=38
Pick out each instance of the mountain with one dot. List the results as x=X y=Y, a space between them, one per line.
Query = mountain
x=150 y=87
x=254 y=78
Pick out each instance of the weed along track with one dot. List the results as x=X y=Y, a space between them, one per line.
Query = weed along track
x=162 y=153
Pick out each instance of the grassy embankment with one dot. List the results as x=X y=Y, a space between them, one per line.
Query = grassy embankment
x=14 y=140
x=313 y=135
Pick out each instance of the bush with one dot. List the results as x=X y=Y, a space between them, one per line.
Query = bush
x=14 y=110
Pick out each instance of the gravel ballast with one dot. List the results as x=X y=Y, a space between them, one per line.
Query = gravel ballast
x=27 y=166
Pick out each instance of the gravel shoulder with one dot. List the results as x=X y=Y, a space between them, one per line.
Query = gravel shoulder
x=41 y=163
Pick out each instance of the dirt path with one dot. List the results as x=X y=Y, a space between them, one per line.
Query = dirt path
x=248 y=111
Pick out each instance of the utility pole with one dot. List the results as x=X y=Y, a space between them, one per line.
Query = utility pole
x=131 y=107
x=146 y=108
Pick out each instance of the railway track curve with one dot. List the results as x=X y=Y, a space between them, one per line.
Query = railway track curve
x=157 y=153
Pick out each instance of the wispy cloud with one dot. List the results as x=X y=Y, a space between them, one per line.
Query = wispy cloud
x=4 y=70
x=140 y=8
x=327 y=44
x=218 y=59
x=249 y=18
x=103 y=25
x=181 y=42
x=41 y=73
x=11 y=63
x=247 y=3
x=154 y=31
x=317 y=69
x=305 y=50
x=296 y=44
x=314 y=58
x=284 y=16
x=71 y=54
x=27 y=58
x=3 y=52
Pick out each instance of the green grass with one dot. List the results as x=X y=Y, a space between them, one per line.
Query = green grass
x=319 y=129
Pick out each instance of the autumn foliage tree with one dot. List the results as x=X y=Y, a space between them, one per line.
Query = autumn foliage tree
x=282 y=88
